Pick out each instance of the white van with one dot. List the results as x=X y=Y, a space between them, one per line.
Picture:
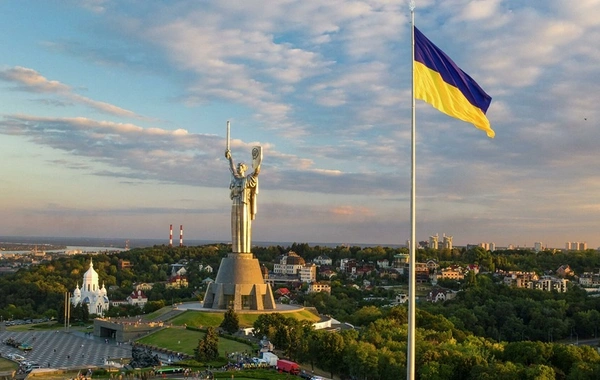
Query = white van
x=16 y=357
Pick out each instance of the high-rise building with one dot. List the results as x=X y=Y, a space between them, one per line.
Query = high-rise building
x=575 y=246
x=447 y=242
x=537 y=246
x=308 y=273
x=433 y=241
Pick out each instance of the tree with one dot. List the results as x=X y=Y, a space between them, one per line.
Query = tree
x=151 y=306
x=297 y=347
x=528 y=353
x=60 y=318
x=78 y=312
x=267 y=324
x=366 y=315
x=282 y=339
x=391 y=363
x=303 y=352
x=540 y=372
x=208 y=347
x=497 y=371
x=85 y=314
x=327 y=349
x=361 y=360
x=584 y=371
x=231 y=322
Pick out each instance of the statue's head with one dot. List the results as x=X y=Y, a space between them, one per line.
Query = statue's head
x=241 y=168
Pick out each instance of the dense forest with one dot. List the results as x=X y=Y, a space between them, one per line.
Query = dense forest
x=444 y=352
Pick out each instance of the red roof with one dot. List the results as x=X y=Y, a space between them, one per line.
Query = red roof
x=283 y=291
x=137 y=294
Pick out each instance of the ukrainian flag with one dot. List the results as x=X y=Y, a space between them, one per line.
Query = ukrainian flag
x=441 y=83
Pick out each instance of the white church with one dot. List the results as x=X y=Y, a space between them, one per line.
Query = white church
x=90 y=293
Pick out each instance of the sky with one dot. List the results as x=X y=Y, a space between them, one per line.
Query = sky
x=113 y=120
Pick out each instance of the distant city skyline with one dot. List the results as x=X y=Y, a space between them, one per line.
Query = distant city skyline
x=120 y=242
x=113 y=115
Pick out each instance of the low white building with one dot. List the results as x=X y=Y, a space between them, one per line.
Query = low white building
x=206 y=268
x=178 y=270
x=137 y=298
x=589 y=279
x=401 y=299
x=323 y=260
x=289 y=264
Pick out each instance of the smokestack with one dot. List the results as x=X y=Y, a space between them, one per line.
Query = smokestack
x=171 y=235
x=181 y=235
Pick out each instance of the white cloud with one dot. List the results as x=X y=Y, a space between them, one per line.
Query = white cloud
x=479 y=10
x=30 y=80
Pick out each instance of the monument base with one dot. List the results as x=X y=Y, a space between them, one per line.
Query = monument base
x=239 y=285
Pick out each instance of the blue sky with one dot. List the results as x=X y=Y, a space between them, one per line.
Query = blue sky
x=113 y=115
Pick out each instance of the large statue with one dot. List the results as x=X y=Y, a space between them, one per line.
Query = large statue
x=240 y=283
x=243 y=196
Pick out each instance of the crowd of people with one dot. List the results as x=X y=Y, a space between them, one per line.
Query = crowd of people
x=243 y=360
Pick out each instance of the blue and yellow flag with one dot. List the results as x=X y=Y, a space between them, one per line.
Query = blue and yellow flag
x=441 y=83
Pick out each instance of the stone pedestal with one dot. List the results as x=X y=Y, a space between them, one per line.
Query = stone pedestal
x=239 y=285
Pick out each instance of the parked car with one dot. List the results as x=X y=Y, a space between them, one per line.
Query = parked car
x=31 y=366
x=25 y=347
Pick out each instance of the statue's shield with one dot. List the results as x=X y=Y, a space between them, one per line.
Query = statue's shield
x=256 y=156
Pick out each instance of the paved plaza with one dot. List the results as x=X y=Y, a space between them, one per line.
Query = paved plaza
x=58 y=349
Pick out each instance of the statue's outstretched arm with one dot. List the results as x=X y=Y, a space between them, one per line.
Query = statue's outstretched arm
x=231 y=165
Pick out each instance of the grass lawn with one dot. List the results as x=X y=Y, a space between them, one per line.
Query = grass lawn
x=155 y=314
x=8 y=365
x=198 y=319
x=182 y=340
x=304 y=315
x=203 y=319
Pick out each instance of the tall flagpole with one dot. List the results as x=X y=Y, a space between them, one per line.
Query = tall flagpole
x=410 y=357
